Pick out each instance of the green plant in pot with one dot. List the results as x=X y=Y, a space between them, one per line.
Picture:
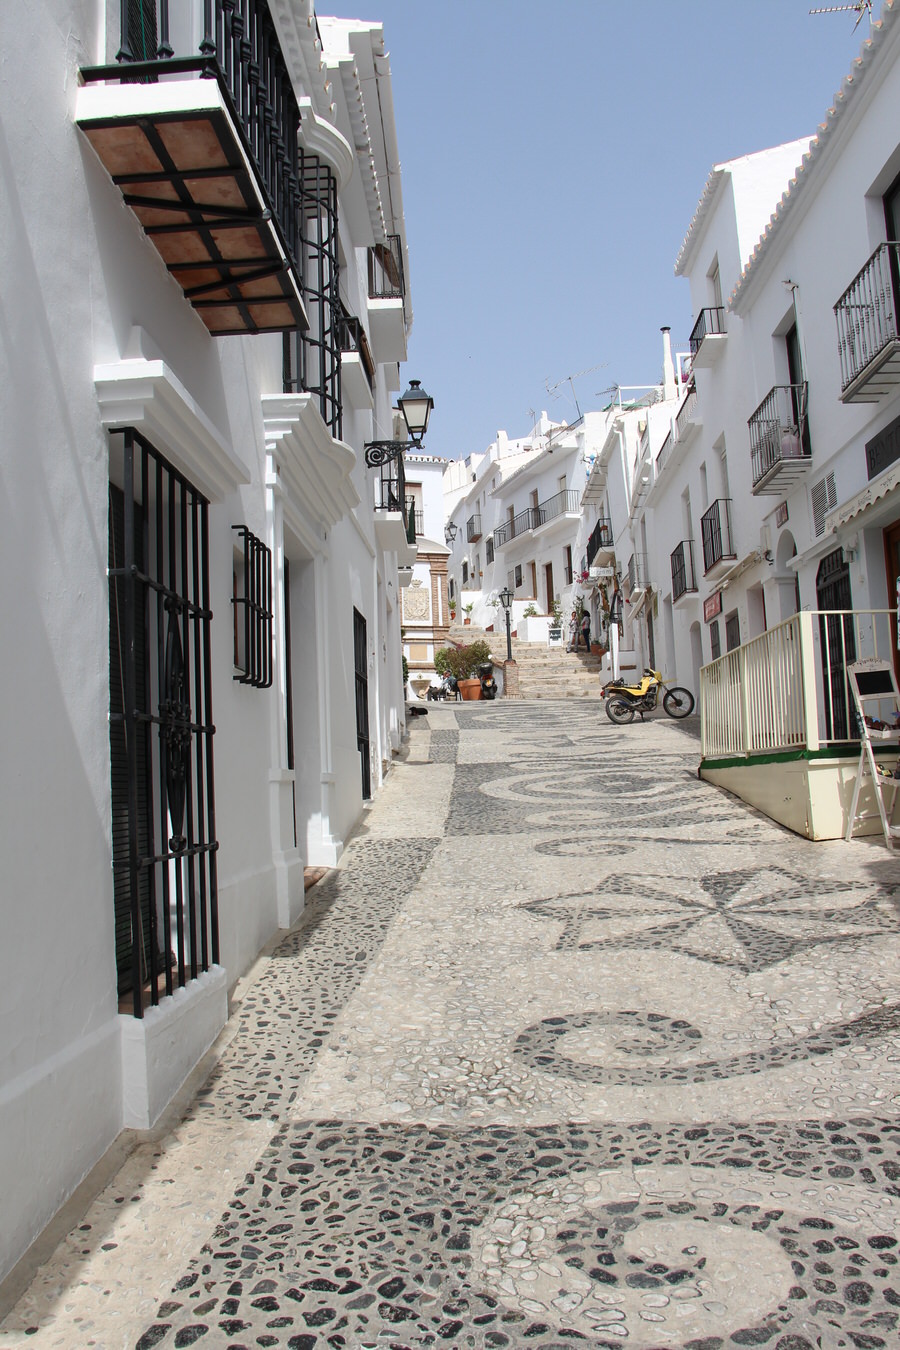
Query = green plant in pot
x=530 y=611
x=467 y=610
x=463 y=663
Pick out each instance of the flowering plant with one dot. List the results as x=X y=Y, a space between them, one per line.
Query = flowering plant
x=582 y=577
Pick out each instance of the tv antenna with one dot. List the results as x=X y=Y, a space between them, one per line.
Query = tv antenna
x=860 y=8
x=570 y=381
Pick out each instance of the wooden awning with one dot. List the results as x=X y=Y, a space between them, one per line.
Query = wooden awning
x=184 y=172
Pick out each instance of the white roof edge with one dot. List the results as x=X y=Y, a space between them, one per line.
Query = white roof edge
x=844 y=98
x=704 y=205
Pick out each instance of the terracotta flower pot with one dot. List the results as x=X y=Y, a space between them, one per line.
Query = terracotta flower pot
x=470 y=689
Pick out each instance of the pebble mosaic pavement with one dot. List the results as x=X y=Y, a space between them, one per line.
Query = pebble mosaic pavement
x=572 y=1049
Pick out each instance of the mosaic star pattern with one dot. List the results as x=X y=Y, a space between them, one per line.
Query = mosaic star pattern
x=596 y=1056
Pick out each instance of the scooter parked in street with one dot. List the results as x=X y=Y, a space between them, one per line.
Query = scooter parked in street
x=488 y=683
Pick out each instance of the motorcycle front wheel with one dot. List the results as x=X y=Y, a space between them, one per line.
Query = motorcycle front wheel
x=678 y=702
x=618 y=711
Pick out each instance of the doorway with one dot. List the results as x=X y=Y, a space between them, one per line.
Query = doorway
x=361 y=672
x=837 y=640
x=548 y=581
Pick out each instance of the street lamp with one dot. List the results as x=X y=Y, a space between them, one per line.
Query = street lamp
x=450 y=533
x=506 y=599
x=416 y=406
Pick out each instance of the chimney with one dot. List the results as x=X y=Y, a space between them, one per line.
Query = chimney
x=668 y=365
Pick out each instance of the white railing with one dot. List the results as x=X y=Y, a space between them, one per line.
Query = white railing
x=788 y=689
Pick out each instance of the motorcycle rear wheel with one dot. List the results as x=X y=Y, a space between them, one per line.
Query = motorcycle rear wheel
x=618 y=711
x=678 y=702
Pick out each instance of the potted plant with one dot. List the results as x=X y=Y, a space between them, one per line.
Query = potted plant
x=463 y=662
x=467 y=610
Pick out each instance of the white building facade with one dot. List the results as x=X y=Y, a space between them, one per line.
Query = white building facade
x=210 y=307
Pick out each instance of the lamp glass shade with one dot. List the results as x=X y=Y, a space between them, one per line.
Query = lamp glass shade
x=506 y=597
x=416 y=407
x=450 y=532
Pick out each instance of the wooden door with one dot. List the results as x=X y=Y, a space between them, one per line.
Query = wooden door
x=548 y=579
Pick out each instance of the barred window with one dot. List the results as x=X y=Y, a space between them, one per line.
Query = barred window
x=252 y=602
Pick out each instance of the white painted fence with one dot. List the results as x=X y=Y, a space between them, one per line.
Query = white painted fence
x=787 y=689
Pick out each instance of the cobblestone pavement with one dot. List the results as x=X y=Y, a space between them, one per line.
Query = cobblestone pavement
x=572 y=1049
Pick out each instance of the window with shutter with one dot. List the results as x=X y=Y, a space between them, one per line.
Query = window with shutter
x=823 y=498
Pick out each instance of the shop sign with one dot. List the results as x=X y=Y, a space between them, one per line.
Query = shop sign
x=712 y=606
x=602 y=573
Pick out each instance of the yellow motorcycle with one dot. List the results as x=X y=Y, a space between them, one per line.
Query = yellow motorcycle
x=624 y=700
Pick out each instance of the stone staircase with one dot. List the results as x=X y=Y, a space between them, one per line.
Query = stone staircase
x=544 y=672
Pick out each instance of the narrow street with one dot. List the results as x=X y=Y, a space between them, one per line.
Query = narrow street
x=571 y=1049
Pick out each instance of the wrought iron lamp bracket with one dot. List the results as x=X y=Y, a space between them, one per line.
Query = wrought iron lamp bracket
x=382 y=452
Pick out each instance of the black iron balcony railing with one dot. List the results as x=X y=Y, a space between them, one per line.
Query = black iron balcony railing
x=665 y=451
x=715 y=528
x=565 y=502
x=414 y=524
x=710 y=320
x=386 y=280
x=473 y=528
x=866 y=313
x=779 y=433
x=390 y=491
x=353 y=339
x=637 y=572
x=687 y=411
x=526 y=520
x=683 y=579
x=600 y=537
x=240 y=49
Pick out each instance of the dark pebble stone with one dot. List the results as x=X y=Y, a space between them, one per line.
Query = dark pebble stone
x=391 y=1288
x=265 y=1304
x=190 y=1335
x=794 y=1343
x=230 y=1307
x=168 y=1308
x=447 y=1330
x=705 y=1342
x=496 y=1338
x=186 y=1282
x=863 y=1342
x=640 y=1281
x=825 y=1286
x=302 y=1342
x=322 y=1285
x=753 y=1335
x=319 y=1317
x=881 y=1242
x=264 y=1287
x=391 y=1313
x=459 y=1243
x=858 y=1293
x=232 y=1325
x=281 y=1322
x=266 y=1340
x=152 y=1336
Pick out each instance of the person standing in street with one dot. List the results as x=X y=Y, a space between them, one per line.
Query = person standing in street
x=586 y=630
x=573 y=633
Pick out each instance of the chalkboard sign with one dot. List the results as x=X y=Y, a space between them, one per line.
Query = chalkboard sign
x=872 y=683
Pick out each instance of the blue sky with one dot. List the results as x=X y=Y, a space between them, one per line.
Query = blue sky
x=553 y=155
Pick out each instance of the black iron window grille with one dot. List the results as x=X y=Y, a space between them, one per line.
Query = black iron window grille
x=415 y=525
x=386 y=270
x=312 y=356
x=390 y=492
x=361 y=680
x=715 y=640
x=252 y=604
x=489 y=549
x=161 y=727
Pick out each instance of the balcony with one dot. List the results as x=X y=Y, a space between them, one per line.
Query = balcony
x=415 y=525
x=473 y=529
x=600 y=542
x=708 y=338
x=665 y=452
x=715 y=529
x=523 y=523
x=683 y=579
x=392 y=528
x=868 y=341
x=638 y=579
x=779 y=440
x=688 y=421
x=357 y=363
x=387 y=290
x=207 y=157
x=565 y=503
